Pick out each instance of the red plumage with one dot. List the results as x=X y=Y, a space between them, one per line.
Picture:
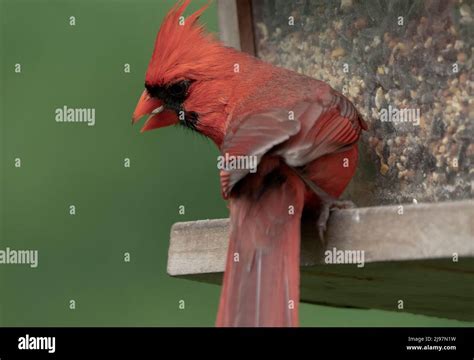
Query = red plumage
x=303 y=133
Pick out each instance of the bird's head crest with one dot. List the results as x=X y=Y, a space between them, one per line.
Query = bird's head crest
x=182 y=48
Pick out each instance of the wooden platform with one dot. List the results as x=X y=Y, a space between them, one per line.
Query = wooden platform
x=420 y=254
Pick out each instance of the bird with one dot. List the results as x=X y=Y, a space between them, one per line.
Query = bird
x=302 y=134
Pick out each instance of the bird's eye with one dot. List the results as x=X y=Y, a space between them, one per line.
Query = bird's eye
x=179 y=89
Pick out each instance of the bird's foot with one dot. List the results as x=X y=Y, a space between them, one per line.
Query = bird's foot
x=326 y=208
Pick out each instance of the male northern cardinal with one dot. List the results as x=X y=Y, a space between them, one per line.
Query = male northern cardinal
x=302 y=132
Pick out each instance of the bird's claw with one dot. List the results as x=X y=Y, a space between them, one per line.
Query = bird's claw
x=342 y=204
x=322 y=222
x=322 y=230
x=323 y=219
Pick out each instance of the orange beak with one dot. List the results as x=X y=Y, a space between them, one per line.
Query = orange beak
x=159 y=115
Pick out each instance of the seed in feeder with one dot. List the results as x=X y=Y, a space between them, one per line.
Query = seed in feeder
x=439 y=161
x=383 y=168
x=354 y=91
x=338 y=52
x=379 y=149
x=465 y=10
x=402 y=174
x=428 y=42
x=462 y=57
x=470 y=152
x=458 y=45
x=461 y=128
x=360 y=23
x=391 y=160
x=345 y=4
x=379 y=95
x=376 y=42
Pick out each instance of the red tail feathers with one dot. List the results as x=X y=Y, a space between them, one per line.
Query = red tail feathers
x=261 y=280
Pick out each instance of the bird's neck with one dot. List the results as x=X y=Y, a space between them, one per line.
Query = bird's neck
x=243 y=75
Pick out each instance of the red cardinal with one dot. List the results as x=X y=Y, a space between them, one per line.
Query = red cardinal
x=302 y=133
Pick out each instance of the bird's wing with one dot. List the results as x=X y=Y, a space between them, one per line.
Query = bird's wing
x=254 y=135
x=331 y=124
x=299 y=134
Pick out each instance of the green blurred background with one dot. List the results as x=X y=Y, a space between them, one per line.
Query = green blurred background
x=118 y=209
